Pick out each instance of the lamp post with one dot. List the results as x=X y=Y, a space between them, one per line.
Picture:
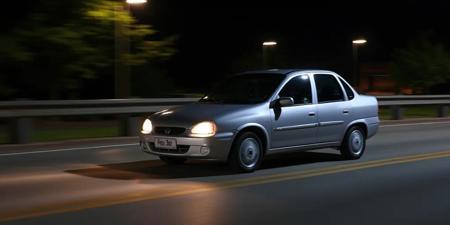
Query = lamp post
x=122 y=46
x=355 y=74
x=265 y=48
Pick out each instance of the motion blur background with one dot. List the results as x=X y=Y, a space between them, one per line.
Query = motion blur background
x=79 y=77
x=76 y=49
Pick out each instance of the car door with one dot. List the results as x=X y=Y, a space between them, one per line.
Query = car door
x=332 y=108
x=296 y=124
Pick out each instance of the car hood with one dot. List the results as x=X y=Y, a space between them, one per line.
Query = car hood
x=191 y=114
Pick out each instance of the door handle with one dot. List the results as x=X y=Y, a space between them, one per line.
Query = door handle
x=311 y=114
x=345 y=111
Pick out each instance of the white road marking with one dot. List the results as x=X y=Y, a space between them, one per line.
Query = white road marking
x=135 y=144
x=414 y=124
x=68 y=149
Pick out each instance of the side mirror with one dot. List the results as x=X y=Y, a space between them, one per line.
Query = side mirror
x=283 y=102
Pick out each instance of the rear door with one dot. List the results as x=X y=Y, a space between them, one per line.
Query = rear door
x=332 y=108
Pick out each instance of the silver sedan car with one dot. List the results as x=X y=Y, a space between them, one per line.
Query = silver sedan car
x=254 y=114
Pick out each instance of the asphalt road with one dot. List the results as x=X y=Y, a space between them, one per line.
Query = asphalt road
x=403 y=178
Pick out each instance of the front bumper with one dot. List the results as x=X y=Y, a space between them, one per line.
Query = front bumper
x=216 y=147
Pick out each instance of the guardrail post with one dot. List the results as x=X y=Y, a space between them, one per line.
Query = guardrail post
x=396 y=112
x=443 y=111
x=129 y=126
x=20 y=130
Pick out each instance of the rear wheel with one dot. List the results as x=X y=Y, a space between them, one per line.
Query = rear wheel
x=246 y=153
x=354 y=143
x=173 y=160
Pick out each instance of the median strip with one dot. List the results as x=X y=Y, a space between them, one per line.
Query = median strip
x=193 y=188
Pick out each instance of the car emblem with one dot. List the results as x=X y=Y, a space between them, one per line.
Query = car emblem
x=167 y=131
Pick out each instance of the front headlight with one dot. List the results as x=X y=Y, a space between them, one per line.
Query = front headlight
x=204 y=129
x=147 y=127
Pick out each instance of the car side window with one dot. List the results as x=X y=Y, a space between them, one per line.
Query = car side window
x=348 y=90
x=328 y=88
x=299 y=88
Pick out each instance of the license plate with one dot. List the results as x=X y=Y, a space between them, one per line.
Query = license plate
x=166 y=143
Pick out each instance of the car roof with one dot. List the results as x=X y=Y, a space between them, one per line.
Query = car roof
x=287 y=71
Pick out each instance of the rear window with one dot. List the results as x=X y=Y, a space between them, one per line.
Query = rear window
x=348 y=90
x=328 y=88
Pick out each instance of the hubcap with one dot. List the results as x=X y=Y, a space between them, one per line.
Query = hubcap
x=356 y=142
x=249 y=152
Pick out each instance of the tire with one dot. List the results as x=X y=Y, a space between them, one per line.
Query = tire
x=354 y=143
x=246 y=153
x=173 y=160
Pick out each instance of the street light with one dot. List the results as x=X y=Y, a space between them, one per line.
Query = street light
x=122 y=46
x=269 y=43
x=136 y=1
x=355 y=74
x=359 y=41
x=265 y=46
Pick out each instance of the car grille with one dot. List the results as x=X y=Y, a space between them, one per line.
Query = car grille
x=181 y=149
x=172 y=131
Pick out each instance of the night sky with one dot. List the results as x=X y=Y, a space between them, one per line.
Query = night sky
x=214 y=35
x=313 y=34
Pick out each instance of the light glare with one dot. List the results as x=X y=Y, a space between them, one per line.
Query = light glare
x=269 y=43
x=204 y=129
x=359 y=41
x=147 y=127
x=166 y=113
x=136 y=1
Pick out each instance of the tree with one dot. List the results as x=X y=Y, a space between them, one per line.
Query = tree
x=65 y=43
x=421 y=64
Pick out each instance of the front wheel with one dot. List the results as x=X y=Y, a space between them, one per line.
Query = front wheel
x=354 y=143
x=173 y=160
x=246 y=153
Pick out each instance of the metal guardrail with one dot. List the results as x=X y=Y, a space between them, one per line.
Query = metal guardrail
x=128 y=111
x=398 y=102
x=87 y=107
x=20 y=113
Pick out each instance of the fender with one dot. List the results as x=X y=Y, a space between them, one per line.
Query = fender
x=363 y=121
x=254 y=125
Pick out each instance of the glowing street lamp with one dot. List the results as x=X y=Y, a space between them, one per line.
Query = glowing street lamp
x=359 y=41
x=355 y=75
x=265 y=51
x=136 y=1
x=269 y=43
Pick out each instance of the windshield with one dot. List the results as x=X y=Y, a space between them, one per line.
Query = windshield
x=244 y=89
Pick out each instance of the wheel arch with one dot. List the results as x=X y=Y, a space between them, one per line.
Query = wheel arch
x=256 y=128
x=360 y=123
